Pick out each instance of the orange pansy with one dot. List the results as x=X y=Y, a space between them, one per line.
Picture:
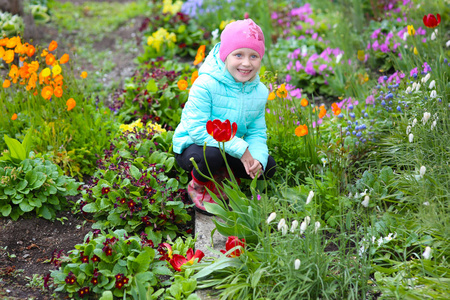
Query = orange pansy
x=8 y=57
x=30 y=50
x=14 y=117
x=47 y=92
x=58 y=92
x=304 y=102
x=58 y=79
x=182 y=84
x=6 y=83
x=64 y=59
x=200 y=55
x=322 y=112
x=53 y=45
x=83 y=74
x=271 y=96
x=301 y=130
x=194 y=76
x=33 y=66
x=70 y=104
x=12 y=42
x=50 y=59
x=2 y=52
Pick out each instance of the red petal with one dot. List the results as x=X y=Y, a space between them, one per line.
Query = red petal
x=438 y=18
x=425 y=21
x=234 y=126
x=177 y=261
x=189 y=254
x=209 y=127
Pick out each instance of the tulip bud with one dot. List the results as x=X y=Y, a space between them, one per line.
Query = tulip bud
x=422 y=171
x=297 y=264
x=427 y=253
x=310 y=196
x=271 y=217
x=294 y=226
x=281 y=224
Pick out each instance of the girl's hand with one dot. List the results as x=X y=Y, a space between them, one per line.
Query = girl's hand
x=252 y=166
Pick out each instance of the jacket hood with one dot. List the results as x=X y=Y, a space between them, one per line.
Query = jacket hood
x=215 y=67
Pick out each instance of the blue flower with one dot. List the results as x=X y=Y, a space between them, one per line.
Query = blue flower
x=383 y=103
x=399 y=108
x=347 y=133
x=352 y=115
x=353 y=132
x=350 y=107
x=358 y=134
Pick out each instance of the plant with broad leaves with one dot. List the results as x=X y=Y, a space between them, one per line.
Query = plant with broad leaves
x=115 y=262
x=138 y=186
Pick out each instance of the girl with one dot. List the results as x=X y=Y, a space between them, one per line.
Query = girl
x=228 y=87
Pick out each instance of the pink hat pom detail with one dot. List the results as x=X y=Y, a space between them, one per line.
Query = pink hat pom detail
x=241 y=34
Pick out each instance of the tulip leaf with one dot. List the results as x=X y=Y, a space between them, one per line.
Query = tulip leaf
x=221 y=263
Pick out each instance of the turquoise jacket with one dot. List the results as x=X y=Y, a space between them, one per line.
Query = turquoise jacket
x=216 y=95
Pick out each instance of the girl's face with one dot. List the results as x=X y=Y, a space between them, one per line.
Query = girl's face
x=243 y=64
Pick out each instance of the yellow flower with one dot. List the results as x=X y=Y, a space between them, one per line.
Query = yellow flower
x=155 y=127
x=8 y=57
x=56 y=70
x=168 y=7
x=361 y=56
x=281 y=91
x=225 y=23
x=271 y=96
x=45 y=72
x=130 y=127
x=83 y=74
x=415 y=51
x=411 y=30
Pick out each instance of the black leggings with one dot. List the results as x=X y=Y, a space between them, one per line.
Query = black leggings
x=215 y=162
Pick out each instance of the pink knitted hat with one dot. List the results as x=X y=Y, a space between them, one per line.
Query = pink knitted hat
x=241 y=34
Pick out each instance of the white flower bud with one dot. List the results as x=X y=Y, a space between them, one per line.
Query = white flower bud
x=271 y=217
x=365 y=203
x=310 y=196
x=297 y=264
x=425 y=79
x=281 y=224
x=316 y=226
x=294 y=226
x=422 y=171
x=426 y=203
x=414 y=122
x=432 y=84
x=426 y=116
x=433 y=94
x=284 y=229
x=408 y=90
x=433 y=36
x=411 y=137
x=433 y=124
x=303 y=227
x=408 y=129
x=427 y=253
x=307 y=220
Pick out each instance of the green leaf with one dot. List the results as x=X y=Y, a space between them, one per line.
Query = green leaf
x=91 y=207
x=27 y=142
x=107 y=295
x=151 y=86
x=5 y=210
x=45 y=212
x=15 y=148
x=22 y=185
x=169 y=163
x=142 y=261
x=135 y=172
x=31 y=177
x=41 y=178
x=25 y=206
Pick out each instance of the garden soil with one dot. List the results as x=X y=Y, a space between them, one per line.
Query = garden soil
x=26 y=245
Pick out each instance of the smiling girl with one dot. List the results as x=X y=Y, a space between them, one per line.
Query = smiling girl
x=228 y=87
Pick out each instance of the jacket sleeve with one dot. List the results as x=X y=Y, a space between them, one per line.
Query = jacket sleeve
x=198 y=112
x=256 y=137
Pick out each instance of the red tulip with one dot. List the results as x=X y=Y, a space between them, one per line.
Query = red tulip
x=232 y=242
x=221 y=131
x=178 y=260
x=430 y=20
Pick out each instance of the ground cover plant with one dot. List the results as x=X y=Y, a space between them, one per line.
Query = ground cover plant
x=357 y=117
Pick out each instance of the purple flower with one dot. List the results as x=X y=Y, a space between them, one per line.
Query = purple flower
x=374 y=35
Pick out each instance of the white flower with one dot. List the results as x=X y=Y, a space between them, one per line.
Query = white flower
x=365 y=203
x=405 y=36
x=433 y=124
x=373 y=239
x=432 y=84
x=316 y=226
x=414 y=122
x=425 y=79
x=418 y=87
x=447 y=44
x=284 y=229
x=427 y=253
x=271 y=217
x=422 y=171
x=390 y=237
x=408 y=129
x=310 y=196
x=414 y=85
x=433 y=36
x=339 y=57
x=408 y=90
x=281 y=224
x=426 y=203
x=307 y=220
x=297 y=264
x=303 y=227
x=433 y=94
x=215 y=33
x=380 y=241
x=363 y=193
x=426 y=116
x=411 y=137
x=294 y=226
